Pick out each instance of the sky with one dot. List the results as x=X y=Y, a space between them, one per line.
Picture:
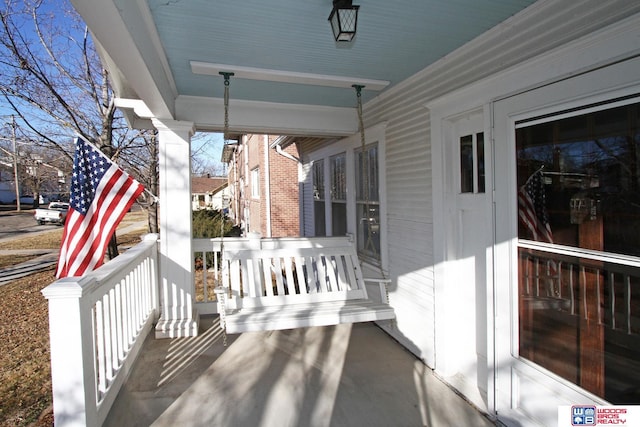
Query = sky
x=207 y=147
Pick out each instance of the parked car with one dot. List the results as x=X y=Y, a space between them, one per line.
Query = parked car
x=55 y=213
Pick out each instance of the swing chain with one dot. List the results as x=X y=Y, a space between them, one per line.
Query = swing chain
x=365 y=189
x=369 y=244
x=226 y=76
x=220 y=291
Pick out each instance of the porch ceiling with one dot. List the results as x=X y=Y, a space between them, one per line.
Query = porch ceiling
x=168 y=54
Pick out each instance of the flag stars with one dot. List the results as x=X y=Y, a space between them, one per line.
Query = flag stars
x=90 y=167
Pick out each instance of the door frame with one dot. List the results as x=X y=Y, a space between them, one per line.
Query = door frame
x=445 y=130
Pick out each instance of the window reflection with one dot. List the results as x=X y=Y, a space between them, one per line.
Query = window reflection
x=588 y=166
x=579 y=185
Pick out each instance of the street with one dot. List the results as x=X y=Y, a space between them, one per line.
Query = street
x=17 y=224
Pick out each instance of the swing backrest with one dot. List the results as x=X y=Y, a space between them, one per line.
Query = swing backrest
x=292 y=271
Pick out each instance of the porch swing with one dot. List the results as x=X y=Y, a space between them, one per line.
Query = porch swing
x=287 y=283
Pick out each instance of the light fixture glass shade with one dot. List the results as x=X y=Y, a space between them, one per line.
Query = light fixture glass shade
x=344 y=20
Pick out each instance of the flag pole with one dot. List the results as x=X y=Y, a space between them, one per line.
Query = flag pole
x=533 y=174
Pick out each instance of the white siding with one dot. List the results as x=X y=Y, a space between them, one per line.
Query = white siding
x=545 y=26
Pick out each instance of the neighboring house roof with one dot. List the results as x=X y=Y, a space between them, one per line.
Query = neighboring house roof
x=201 y=185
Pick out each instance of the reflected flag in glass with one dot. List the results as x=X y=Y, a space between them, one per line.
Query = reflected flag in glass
x=532 y=208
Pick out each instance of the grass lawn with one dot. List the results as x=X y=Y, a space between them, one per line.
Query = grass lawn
x=25 y=375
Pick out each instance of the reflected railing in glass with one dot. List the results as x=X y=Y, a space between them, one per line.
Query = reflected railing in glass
x=579 y=317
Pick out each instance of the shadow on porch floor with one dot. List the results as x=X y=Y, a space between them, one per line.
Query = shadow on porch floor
x=347 y=375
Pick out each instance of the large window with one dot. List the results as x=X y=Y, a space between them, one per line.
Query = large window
x=348 y=193
x=318 y=198
x=578 y=184
x=368 y=202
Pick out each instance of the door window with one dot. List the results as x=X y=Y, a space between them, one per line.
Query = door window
x=472 y=173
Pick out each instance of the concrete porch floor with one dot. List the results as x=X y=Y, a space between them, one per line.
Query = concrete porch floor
x=346 y=375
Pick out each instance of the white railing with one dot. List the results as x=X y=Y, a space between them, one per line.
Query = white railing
x=206 y=275
x=97 y=325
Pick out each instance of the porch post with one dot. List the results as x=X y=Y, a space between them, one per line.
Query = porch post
x=178 y=317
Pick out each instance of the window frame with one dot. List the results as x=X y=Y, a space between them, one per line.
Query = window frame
x=255 y=183
x=338 y=190
x=604 y=260
x=319 y=196
x=350 y=146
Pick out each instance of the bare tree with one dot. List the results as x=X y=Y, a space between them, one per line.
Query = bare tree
x=43 y=172
x=53 y=81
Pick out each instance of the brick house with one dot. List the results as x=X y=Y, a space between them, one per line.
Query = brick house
x=263 y=185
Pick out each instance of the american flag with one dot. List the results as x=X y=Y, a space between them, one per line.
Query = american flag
x=532 y=208
x=101 y=194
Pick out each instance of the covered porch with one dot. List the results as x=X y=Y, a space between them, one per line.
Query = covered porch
x=109 y=368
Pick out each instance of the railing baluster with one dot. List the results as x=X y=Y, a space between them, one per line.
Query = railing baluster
x=537 y=276
x=598 y=298
x=113 y=334
x=627 y=301
x=205 y=287
x=100 y=353
x=527 y=274
x=117 y=344
x=583 y=292
x=108 y=360
x=130 y=311
x=612 y=285
x=572 y=291
x=559 y=278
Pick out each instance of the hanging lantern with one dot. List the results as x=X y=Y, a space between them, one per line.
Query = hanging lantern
x=344 y=20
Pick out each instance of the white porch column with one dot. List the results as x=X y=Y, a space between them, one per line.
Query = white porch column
x=178 y=316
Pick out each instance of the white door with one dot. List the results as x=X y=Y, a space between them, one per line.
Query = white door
x=462 y=300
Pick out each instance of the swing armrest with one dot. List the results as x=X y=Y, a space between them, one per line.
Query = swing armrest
x=221 y=293
x=382 y=283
